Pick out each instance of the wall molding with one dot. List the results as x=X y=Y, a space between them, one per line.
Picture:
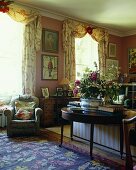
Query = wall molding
x=60 y=17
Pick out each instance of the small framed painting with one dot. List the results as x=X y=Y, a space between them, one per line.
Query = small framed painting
x=59 y=91
x=45 y=92
x=112 y=50
x=132 y=61
x=49 y=67
x=50 y=41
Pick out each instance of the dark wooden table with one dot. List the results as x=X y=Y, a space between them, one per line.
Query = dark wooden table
x=92 y=117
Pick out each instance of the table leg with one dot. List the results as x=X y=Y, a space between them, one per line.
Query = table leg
x=71 y=130
x=62 y=127
x=91 y=139
x=121 y=140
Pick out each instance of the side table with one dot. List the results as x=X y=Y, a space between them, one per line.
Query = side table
x=91 y=117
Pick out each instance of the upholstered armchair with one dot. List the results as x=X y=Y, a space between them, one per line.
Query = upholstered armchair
x=129 y=126
x=23 y=116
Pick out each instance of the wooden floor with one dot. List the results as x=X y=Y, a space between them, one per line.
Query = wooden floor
x=52 y=134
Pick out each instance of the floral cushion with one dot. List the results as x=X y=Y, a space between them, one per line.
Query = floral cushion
x=23 y=114
x=24 y=110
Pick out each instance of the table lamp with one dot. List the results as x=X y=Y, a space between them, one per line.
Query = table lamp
x=64 y=83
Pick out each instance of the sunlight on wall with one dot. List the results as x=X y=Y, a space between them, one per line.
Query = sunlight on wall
x=86 y=52
x=11 y=37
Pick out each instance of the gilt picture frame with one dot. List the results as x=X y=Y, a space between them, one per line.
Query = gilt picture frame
x=49 y=67
x=132 y=61
x=50 y=41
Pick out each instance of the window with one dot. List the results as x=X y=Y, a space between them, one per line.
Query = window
x=86 y=53
x=11 y=37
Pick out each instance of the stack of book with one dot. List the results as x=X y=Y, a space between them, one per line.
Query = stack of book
x=111 y=109
x=74 y=104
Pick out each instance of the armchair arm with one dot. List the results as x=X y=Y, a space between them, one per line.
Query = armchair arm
x=9 y=113
x=38 y=113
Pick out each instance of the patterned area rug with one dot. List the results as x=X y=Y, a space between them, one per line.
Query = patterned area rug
x=33 y=153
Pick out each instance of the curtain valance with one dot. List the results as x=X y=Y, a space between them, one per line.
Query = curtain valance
x=72 y=29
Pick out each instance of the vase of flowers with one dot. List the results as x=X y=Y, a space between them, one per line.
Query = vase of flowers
x=92 y=87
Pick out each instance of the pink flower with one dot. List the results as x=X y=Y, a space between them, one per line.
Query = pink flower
x=93 y=76
x=77 y=82
x=75 y=91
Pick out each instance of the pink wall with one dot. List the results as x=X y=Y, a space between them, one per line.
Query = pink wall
x=118 y=41
x=128 y=42
x=55 y=25
x=122 y=45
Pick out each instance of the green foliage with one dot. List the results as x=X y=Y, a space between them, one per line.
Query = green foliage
x=91 y=86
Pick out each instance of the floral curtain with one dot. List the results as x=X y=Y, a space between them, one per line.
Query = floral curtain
x=32 y=40
x=72 y=29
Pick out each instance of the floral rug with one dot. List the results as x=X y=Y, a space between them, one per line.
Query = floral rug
x=33 y=153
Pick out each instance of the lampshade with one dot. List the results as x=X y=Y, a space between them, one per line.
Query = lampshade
x=64 y=81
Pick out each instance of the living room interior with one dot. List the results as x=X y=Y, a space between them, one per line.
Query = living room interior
x=49 y=72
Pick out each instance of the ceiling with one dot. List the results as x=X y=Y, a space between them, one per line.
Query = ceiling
x=117 y=15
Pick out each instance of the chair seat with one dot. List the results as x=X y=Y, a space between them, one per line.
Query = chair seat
x=23 y=121
x=23 y=124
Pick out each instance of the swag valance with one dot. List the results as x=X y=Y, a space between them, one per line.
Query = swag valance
x=74 y=29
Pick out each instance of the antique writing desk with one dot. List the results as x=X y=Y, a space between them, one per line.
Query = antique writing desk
x=92 y=117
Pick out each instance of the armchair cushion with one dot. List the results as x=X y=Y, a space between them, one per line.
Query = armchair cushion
x=24 y=110
x=24 y=104
x=23 y=114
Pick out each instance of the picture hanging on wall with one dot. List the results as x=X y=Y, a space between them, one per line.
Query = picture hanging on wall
x=49 y=67
x=45 y=92
x=132 y=60
x=50 y=41
x=112 y=50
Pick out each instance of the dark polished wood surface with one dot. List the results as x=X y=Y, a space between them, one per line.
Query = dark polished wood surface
x=92 y=117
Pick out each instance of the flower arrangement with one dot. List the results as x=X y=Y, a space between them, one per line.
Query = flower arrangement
x=92 y=86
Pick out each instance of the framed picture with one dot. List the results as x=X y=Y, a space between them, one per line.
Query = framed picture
x=132 y=60
x=112 y=50
x=70 y=93
x=50 y=41
x=45 y=92
x=59 y=91
x=49 y=67
x=112 y=69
